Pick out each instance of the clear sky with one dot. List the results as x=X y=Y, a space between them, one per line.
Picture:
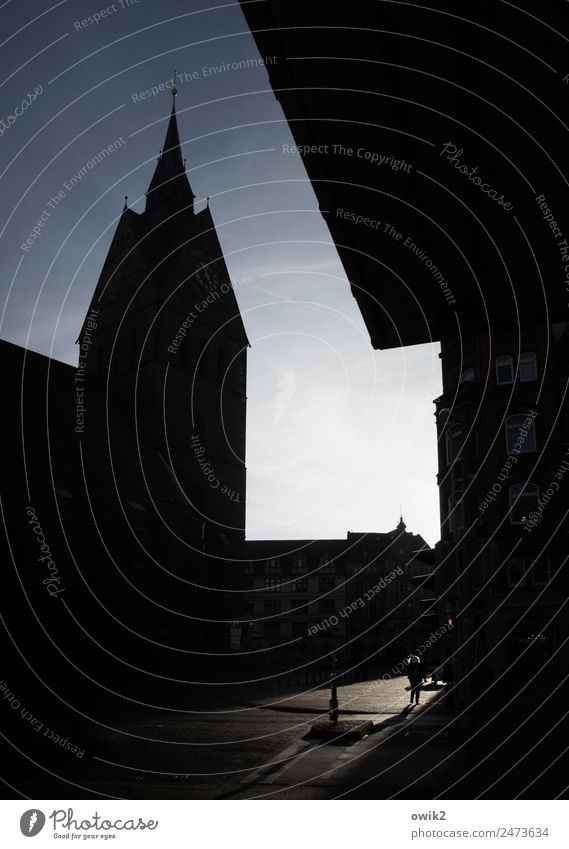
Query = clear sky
x=339 y=435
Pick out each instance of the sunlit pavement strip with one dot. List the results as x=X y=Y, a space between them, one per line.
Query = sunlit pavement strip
x=363 y=697
x=315 y=761
x=312 y=765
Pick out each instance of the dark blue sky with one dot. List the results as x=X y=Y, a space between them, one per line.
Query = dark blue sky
x=356 y=436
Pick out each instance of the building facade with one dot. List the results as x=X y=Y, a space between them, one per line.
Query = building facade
x=503 y=440
x=355 y=599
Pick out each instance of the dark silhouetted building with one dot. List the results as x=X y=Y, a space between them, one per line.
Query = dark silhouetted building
x=436 y=166
x=130 y=467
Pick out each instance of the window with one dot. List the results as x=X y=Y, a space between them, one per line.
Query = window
x=299 y=586
x=272 y=567
x=327 y=565
x=523 y=501
x=326 y=607
x=515 y=569
x=453 y=443
x=299 y=565
x=272 y=607
x=520 y=439
x=528 y=368
x=504 y=370
x=326 y=585
x=468 y=376
x=272 y=585
x=541 y=572
x=455 y=512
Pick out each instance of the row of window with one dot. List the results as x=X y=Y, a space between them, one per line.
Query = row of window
x=519 y=439
x=505 y=371
x=299 y=566
x=522 y=574
x=523 y=500
x=519 y=573
x=299 y=585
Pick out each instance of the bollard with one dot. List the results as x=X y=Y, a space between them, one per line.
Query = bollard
x=334 y=712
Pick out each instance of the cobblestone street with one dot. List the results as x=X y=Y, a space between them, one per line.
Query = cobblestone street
x=255 y=746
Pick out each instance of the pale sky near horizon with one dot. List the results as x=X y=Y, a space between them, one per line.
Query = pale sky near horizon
x=339 y=437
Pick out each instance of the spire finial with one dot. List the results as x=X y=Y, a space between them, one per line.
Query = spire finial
x=170 y=185
x=125 y=203
x=174 y=89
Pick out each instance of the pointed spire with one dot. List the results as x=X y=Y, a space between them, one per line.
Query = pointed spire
x=401 y=526
x=169 y=185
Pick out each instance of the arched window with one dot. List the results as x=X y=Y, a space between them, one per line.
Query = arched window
x=455 y=512
x=132 y=348
x=528 y=367
x=520 y=435
x=523 y=501
x=453 y=440
x=221 y=364
x=468 y=376
x=504 y=370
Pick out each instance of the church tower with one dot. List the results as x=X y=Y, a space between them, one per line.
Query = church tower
x=170 y=350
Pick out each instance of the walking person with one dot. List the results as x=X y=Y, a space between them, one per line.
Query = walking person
x=415 y=676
